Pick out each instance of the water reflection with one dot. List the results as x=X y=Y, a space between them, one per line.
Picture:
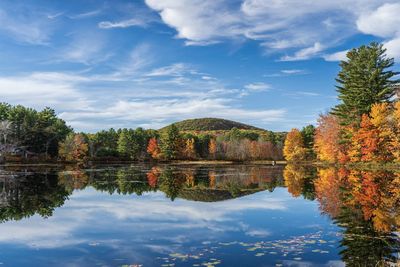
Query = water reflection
x=363 y=204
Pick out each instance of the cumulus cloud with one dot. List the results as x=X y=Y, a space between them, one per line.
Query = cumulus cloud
x=384 y=22
x=338 y=56
x=305 y=28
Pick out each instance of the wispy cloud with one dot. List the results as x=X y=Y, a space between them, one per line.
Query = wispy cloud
x=26 y=27
x=304 y=28
x=177 y=69
x=288 y=72
x=123 y=23
x=87 y=14
x=305 y=53
x=257 y=87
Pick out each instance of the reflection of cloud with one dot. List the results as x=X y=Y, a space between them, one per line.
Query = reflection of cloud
x=145 y=216
x=293 y=263
x=258 y=233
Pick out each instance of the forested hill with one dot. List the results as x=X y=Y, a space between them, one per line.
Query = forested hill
x=211 y=124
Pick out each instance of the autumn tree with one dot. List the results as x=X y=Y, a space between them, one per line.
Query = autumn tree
x=212 y=148
x=74 y=148
x=326 y=141
x=294 y=149
x=396 y=138
x=153 y=149
x=381 y=119
x=189 y=149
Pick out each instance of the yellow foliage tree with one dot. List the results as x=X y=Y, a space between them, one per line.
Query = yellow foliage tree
x=212 y=148
x=189 y=150
x=326 y=141
x=381 y=119
x=294 y=149
x=396 y=138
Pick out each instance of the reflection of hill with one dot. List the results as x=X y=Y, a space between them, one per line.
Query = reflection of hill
x=213 y=195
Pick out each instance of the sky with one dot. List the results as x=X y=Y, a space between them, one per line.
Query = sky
x=148 y=63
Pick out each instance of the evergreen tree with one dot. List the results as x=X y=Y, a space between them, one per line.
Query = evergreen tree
x=364 y=79
x=170 y=142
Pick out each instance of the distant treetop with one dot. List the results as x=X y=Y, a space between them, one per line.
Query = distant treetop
x=211 y=124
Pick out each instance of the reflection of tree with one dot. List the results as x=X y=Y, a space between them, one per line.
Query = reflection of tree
x=73 y=178
x=299 y=180
x=362 y=245
x=327 y=188
x=25 y=195
x=152 y=177
x=366 y=205
x=171 y=183
x=132 y=181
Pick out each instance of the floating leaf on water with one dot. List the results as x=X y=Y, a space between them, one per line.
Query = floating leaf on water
x=316 y=250
x=259 y=254
x=178 y=255
x=252 y=249
x=322 y=241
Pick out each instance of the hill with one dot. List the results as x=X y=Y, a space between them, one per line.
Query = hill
x=211 y=124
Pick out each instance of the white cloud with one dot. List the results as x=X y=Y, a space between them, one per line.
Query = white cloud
x=86 y=14
x=393 y=48
x=148 y=212
x=257 y=87
x=86 y=48
x=338 y=56
x=122 y=24
x=164 y=111
x=287 y=72
x=177 y=69
x=26 y=27
x=305 y=53
x=303 y=28
x=39 y=90
x=383 y=22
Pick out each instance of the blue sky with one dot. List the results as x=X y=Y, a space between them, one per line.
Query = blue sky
x=105 y=64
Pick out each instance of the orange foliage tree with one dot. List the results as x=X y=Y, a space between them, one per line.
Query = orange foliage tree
x=153 y=149
x=326 y=139
x=327 y=189
x=364 y=142
x=294 y=149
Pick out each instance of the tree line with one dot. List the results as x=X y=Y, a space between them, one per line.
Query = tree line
x=40 y=135
x=365 y=125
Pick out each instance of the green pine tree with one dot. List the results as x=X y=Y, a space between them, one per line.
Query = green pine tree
x=170 y=142
x=365 y=79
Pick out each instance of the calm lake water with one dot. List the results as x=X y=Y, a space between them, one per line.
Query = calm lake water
x=229 y=215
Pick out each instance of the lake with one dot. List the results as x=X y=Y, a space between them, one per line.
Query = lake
x=199 y=215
